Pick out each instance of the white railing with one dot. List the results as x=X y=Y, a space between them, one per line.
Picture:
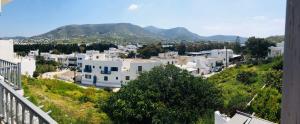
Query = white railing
x=14 y=108
x=11 y=73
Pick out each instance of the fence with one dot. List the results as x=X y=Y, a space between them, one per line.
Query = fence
x=14 y=108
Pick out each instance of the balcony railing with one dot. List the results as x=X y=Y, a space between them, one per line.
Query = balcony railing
x=11 y=73
x=14 y=108
x=105 y=72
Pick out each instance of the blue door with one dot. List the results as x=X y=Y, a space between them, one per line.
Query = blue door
x=95 y=80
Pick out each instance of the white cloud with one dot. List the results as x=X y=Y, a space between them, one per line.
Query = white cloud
x=133 y=7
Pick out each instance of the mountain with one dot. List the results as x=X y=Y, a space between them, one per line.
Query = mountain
x=183 y=33
x=225 y=38
x=123 y=32
x=276 y=39
x=98 y=30
x=180 y=33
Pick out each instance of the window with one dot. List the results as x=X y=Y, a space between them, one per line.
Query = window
x=93 y=66
x=117 y=78
x=88 y=68
x=127 y=78
x=105 y=78
x=100 y=67
x=114 y=68
x=88 y=76
x=79 y=58
x=140 y=68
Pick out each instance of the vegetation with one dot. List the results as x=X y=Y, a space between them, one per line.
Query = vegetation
x=150 y=50
x=246 y=77
x=237 y=95
x=276 y=39
x=69 y=103
x=43 y=66
x=258 y=48
x=60 y=48
x=164 y=95
x=267 y=104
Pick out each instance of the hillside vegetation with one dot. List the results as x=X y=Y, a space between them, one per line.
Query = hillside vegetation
x=68 y=103
x=121 y=33
x=241 y=83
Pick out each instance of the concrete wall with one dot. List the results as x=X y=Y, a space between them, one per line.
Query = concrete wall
x=7 y=50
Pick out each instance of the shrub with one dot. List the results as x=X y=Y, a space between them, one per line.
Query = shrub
x=246 y=77
x=273 y=78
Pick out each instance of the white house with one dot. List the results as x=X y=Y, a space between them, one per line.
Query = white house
x=200 y=65
x=7 y=53
x=226 y=54
x=33 y=53
x=276 y=50
x=114 y=72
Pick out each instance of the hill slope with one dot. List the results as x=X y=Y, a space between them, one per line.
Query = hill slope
x=125 y=32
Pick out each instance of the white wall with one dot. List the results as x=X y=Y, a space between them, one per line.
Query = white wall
x=115 y=78
x=7 y=50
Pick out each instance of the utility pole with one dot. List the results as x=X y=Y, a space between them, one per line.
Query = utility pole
x=290 y=113
x=226 y=57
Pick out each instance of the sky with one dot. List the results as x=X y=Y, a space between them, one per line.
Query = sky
x=260 y=18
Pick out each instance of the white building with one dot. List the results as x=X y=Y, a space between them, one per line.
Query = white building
x=7 y=53
x=277 y=50
x=114 y=52
x=7 y=50
x=225 y=54
x=33 y=53
x=200 y=65
x=239 y=118
x=114 y=72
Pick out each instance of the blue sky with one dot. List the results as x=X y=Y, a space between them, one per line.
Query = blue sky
x=259 y=18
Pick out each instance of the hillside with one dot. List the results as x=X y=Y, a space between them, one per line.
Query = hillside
x=276 y=39
x=122 y=32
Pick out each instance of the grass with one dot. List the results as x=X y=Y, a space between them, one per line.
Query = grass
x=67 y=102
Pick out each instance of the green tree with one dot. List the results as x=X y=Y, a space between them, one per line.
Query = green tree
x=258 y=47
x=237 y=46
x=165 y=94
x=150 y=50
x=181 y=48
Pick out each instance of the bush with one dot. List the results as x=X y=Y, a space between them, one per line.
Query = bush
x=273 y=78
x=163 y=95
x=246 y=77
x=278 y=63
x=267 y=104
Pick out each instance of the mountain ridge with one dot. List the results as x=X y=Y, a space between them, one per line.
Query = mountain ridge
x=126 y=32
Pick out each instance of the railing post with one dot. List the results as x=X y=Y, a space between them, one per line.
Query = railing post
x=1 y=102
x=23 y=114
x=19 y=76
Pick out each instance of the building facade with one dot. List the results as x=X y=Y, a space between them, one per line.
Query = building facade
x=114 y=72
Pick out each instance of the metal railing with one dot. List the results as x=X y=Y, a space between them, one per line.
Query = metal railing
x=14 y=108
x=11 y=73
